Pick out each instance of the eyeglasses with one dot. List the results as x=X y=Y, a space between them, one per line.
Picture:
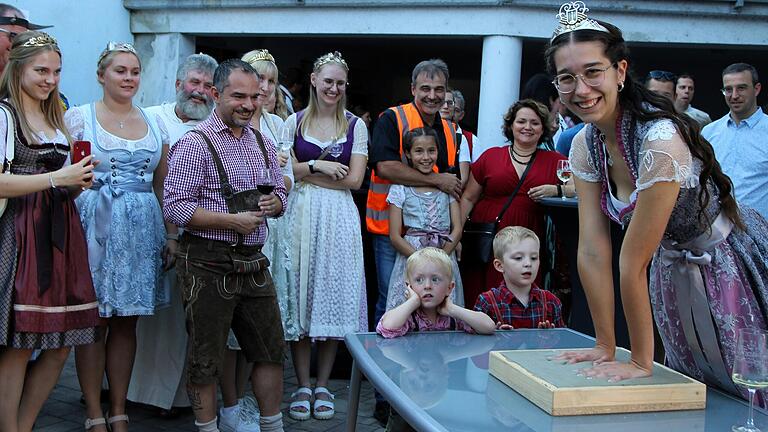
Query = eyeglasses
x=593 y=77
x=11 y=35
x=450 y=103
x=662 y=75
x=740 y=89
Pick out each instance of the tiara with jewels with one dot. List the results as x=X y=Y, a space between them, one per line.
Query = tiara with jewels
x=572 y=17
x=39 y=41
x=258 y=55
x=331 y=57
x=117 y=46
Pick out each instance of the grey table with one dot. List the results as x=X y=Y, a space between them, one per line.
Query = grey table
x=439 y=381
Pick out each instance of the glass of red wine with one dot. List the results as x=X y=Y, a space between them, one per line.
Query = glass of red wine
x=264 y=181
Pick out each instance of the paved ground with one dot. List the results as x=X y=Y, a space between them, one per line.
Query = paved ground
x=63 y=411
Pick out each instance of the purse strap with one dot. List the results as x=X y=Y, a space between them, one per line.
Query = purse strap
x=514 y=193
x=10 y=138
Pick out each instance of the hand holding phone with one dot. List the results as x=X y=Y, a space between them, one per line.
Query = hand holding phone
x=80 y=149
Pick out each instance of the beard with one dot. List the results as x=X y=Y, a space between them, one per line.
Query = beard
x=193 y=110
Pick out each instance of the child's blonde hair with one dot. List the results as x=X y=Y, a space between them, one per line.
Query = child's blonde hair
x=509 y=236
x=435 y=255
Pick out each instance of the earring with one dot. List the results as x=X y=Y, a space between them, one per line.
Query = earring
x=621 y=86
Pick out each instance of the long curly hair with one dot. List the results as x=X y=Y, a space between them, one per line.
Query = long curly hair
x=633 y=99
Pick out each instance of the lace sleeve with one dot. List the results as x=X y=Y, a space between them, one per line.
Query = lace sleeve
x=581 y=159
x=396 y=195
x=360 y=145
x=75 y=122
x=664 y=157
x=164 y=137
x=3 y=135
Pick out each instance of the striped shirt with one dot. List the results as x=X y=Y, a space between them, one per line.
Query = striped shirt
x=193 y=181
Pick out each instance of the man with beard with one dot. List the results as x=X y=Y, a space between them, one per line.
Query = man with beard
x=429 y=82
x=158 y=373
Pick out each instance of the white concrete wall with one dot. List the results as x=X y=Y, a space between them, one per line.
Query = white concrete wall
x=82 y=28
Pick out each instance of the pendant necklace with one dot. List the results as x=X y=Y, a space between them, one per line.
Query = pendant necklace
x=120 y=123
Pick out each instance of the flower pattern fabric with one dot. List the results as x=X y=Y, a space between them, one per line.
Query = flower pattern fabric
x=736 y=278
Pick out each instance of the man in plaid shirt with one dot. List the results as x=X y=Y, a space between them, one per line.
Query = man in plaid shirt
x=220 y=268
x=517 y=302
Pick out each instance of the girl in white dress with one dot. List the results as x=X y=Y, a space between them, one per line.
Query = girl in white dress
x=330 y=147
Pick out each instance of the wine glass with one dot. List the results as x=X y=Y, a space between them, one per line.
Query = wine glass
x=750 y=369
x=285 y=142
x=264 y=181
x=564 y=172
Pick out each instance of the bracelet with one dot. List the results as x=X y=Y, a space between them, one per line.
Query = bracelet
x=559 y=190
x=50 y=180
x=170 y=236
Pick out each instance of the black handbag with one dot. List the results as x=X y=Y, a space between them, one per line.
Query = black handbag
x=477 y=237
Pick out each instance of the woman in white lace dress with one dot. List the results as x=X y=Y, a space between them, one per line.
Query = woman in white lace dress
x=640 y=164
x=330 y=147
x=124 y=227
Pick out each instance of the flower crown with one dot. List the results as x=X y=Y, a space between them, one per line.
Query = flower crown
x=39 y=41
x=258 y=55
x=572 y=17
x=332 y=57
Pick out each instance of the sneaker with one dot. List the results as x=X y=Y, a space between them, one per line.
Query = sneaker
x=229 y=422
x=244 y=419
x=249 y=415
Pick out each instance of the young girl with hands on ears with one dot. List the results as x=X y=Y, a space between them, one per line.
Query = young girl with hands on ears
x=428 y=306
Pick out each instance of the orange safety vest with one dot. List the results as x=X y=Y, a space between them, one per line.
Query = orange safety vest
x=377 y=208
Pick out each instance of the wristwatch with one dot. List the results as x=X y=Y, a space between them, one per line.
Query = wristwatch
x=311 y=165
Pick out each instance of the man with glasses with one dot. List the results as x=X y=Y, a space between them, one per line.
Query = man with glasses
x=684 y=97
x=12 y=22
x=451 y=112
x=661 y=83
x=740 y=138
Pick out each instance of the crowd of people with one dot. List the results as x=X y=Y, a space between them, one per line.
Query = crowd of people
x=197 y=242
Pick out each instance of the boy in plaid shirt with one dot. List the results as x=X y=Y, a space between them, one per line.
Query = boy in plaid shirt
x=518 y=302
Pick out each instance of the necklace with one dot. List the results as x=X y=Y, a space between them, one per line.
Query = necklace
x=520 y=154
x=120 y=123
x=512 y=154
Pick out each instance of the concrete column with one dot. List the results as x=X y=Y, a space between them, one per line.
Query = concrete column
x=161 y=54
x=499 y=87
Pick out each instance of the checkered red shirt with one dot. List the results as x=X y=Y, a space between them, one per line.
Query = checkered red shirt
x=542 y=306
x=193 y=181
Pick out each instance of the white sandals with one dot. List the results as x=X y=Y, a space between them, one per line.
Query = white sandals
x=89 y=423
x=300 y=415
x=324 y=414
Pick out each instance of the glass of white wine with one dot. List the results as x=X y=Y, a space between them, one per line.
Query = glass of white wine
x=750 y=369
x=564 y=172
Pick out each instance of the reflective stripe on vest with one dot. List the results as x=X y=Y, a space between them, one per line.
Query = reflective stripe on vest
x=377 y=208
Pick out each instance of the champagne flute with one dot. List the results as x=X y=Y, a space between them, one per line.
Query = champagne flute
x=564 y=172
x=750 y=369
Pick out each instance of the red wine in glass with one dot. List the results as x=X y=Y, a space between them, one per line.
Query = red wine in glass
x=265 y=189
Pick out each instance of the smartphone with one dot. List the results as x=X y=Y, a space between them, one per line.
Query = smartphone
x=80 y=149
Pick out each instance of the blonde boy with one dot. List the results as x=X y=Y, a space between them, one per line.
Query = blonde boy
x=518 y=302
x=429 y=280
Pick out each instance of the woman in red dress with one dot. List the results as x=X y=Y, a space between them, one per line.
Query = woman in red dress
x=47 y=301
x=494 y=177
